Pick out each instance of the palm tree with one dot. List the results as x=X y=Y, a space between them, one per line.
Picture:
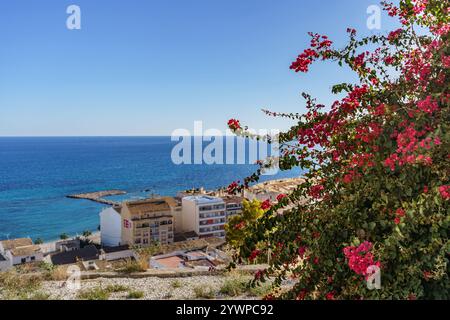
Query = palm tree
x=38 y=241
x=87 y=233
x=63 y=236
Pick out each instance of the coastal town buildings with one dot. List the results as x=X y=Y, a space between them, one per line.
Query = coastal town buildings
x=195 y=259
x=176 y=210
x=147 y=221
x=233 y=205
x=6 y=245
x=270 y=190
x=68 y=245
x=139 y=223
x=163 y=220
x=192 y=214
x=111 y=226
x=88 y=253
x=206 y=215
x=19 y=251
x=21 y=255
x=116 y=253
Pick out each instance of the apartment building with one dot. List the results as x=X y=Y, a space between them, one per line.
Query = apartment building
x=139 y=223
x=206 y=215
x=147 y=221
x=233 y=205
x=177 y=213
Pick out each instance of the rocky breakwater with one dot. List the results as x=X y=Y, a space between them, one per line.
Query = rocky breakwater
x=98 y=196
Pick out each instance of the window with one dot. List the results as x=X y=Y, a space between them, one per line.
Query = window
x=23 y=260
x=33 y=258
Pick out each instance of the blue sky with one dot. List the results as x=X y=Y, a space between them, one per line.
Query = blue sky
x=147 y=67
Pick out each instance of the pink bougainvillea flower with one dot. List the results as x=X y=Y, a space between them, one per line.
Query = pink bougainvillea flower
x=400 y=212
x=445 y=192
x=360 y=258
x=330 y=295
x=266 y=205
x=234 y=124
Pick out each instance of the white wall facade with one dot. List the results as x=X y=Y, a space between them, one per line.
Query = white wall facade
x=110 y=227
x=118 y=255
x=5 y=264
x=16 y=260
x=205 y=215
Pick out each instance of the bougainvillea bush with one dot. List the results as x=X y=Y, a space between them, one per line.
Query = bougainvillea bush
x=376 y=190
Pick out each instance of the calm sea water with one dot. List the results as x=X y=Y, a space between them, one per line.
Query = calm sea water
x=36 y=174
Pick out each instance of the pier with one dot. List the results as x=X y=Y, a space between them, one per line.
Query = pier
x=98 y=196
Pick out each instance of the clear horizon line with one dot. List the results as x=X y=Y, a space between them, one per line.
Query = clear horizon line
x=77 y=136
x=103 y=136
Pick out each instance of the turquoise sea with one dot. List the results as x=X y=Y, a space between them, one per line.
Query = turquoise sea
x=36 y=174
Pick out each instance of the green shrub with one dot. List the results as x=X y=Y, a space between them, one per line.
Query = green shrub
x=241 y=286
x=376 y=189
x=176 y=284
x=204 y=292
x=133 y=266
x=235 y=286
x=97 y=293
x=114 y=288
x=135 y=295
x=14 y=286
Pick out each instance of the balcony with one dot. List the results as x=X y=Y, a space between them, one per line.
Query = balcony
x=211 y=208
x=211 y=229
x=142 y=226
x=212 y=234
x=212 y=222
x=212 y=215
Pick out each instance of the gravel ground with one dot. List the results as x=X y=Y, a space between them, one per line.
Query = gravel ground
x=153 y=288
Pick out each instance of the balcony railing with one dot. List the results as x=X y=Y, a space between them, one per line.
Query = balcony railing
x=212 y=215
x=212 y=222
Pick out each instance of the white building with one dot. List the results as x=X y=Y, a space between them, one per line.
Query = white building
x=205 y=215
x=68 y=245
x=5 y=263
x=26 y=254
x=111 y=227
x=233 y=205
x=19 y=251
x=140 y=222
